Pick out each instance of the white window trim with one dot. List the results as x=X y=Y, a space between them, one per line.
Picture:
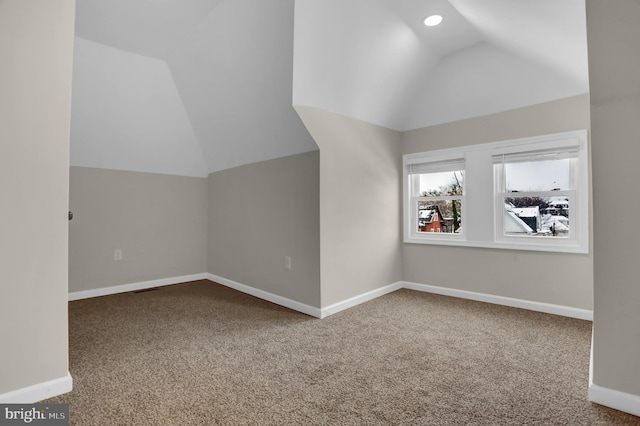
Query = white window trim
x=410 y=212
x=485 y=230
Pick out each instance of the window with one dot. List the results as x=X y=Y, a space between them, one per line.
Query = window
x=529 y=194
x=536 y=189
x=437 y=194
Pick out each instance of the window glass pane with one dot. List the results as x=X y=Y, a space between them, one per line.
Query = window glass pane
x=546 y=175
x=536 y=216
x=440 y=216
x=442 y=183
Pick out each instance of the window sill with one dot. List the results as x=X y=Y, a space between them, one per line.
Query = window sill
x=564 y=247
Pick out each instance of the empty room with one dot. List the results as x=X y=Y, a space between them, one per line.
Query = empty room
x=319 y=212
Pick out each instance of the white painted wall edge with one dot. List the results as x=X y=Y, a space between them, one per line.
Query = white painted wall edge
x=38 y=392
x=362 y=298
x=270 y=297
x=617 y=400
x=565 y=311
x=622 y=401
x=86 y=294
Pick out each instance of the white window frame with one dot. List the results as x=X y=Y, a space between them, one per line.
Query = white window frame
x=483 y=205
x=429 y=163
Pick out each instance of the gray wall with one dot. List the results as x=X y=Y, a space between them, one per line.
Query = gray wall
x=336 y=212
x=260 y=213
x=36 y=46
x=158 y=221
x=557 y=278
x=614 y=61
x=360 y=229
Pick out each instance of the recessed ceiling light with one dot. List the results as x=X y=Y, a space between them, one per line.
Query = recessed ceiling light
x=432 y=20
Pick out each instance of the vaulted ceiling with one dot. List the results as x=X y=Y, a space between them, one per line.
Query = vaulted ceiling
x=190 y=87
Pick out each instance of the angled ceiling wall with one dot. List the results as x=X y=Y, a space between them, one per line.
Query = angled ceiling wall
x=183 y=87
x=376 y=61
x=195 y=86
x=128 y=114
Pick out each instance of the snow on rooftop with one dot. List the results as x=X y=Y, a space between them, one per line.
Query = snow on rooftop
x=526 y=211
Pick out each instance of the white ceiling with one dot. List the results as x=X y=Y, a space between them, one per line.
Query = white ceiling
x=376 y=61
x=159 y=83
x=190 y=87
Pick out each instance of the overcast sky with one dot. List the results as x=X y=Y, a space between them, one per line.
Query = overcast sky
x=538 y=175
x=434 y=181
x=523 y=176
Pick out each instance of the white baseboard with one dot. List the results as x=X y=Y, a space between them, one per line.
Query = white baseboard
x=86 y=294
x=270 y=297
x=340 y=306
x=365 y=297
x=565 y=311
x=622 y=401
x=34 y=393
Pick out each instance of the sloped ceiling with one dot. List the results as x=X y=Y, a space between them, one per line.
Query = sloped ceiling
x=184 y=87
x=376 y=61
x=190 y=87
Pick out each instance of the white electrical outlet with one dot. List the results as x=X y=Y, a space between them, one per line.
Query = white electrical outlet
x=117 y=254
x=287 y=263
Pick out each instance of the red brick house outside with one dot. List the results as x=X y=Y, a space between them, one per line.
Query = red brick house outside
x=430 y=219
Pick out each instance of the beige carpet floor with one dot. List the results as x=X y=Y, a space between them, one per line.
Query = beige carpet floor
x=202 y=354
